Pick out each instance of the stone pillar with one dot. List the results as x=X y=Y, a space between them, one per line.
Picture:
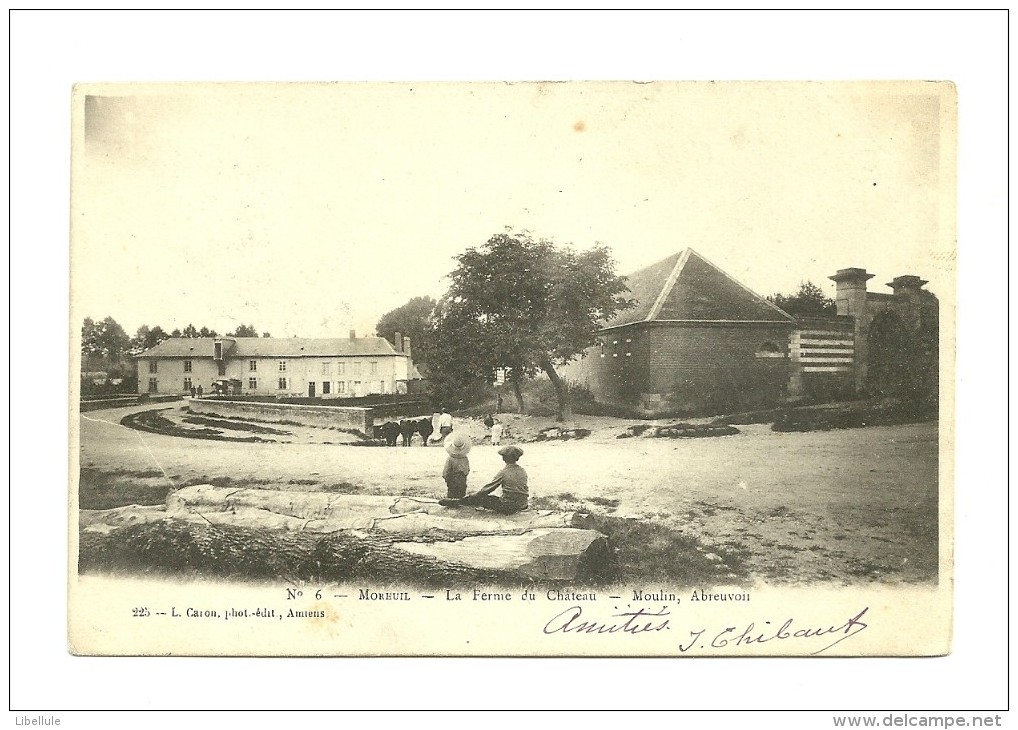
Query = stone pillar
x=851 y=300
x=795 y=385
x=908 y=295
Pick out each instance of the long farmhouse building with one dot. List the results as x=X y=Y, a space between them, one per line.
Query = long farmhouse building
x=296 y=366
x=697 y=340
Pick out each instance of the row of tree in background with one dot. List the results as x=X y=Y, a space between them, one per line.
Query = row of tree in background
x=106 y=347
x=516 y=304
x=147 y=338
x=808 y=301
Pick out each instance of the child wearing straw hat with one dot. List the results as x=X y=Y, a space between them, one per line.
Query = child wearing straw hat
x=457 y=467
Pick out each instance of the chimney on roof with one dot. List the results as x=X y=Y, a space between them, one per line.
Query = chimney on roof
x=398 y=342
x=406 y=346
x=353 y=334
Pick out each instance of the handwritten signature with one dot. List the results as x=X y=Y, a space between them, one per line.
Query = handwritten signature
x=642 y=620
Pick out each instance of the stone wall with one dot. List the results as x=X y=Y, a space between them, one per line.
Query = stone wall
x=98 y=404
x=359 y=419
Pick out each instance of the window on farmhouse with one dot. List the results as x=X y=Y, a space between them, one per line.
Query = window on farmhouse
x=326 y=387
x=282 y=366
x=341 y=387
x=282 y=383
x=252 y=365
x=326 y=368
x=339 y=368
x=187 y=385
x=222 y=368
x=252 y=383
x=187 y=366
x=374 y=368
x=153 y=385
x=153 y=366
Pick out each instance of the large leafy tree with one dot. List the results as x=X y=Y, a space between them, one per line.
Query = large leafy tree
x=105 y=340
x=89 y=338
x=413 y=320
x=245 y=330
x=524 y=304
x=141 y=336
x=148 y=337
x=809 y=300
x=113 y=340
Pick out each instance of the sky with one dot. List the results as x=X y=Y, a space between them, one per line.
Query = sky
x=313 y=208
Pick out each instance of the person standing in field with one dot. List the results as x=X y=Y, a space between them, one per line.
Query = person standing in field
x=496 y=433
x=457 y=467
x=434 y=425
x=444 y=424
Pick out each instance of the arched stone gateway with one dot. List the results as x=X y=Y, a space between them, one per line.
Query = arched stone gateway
x=903 y=355
x=890 y=351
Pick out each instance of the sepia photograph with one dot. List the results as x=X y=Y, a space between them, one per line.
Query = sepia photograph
x=602 y=360
x=508 y=360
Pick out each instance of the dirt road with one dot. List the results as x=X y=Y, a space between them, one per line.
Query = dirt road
x=838 y=507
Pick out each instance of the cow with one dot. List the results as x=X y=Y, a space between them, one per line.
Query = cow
x=390 y=432
x=407 y=429
x=425 y=429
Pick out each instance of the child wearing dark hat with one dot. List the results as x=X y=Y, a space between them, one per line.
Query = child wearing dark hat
x=512 y=478
x=457 y=467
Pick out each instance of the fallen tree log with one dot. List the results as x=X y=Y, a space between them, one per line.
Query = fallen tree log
x=107 y=520
x=466 y=520
x=175 y=547
x=325 y=512
x=541 y=554
x=375 y=536
x=306 y=505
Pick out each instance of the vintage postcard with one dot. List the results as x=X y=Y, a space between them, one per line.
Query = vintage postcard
x=512 y=369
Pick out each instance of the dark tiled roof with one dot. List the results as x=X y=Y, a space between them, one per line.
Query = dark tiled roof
x=687 y=287
x=273 y=347
x=644 y=286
